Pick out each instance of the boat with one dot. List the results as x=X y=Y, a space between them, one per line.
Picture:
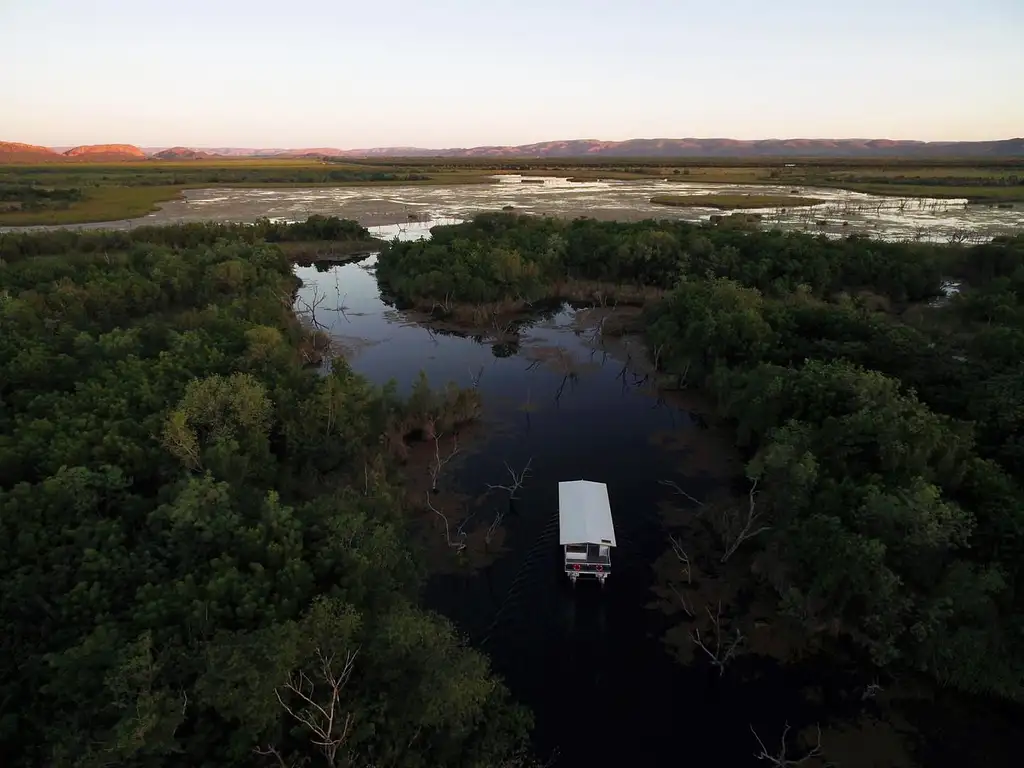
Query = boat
x=585 y=529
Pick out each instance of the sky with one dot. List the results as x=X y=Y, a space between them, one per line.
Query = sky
x=457 y=73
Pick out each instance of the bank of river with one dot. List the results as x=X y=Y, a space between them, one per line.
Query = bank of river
x=841 y=212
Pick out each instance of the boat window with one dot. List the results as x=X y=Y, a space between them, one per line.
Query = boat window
x=577 y=549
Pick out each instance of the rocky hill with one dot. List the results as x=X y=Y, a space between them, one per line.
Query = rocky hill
x=570 y=149
x=182 y=153
x=710 y=148
x=15 y=152
x=96 y=152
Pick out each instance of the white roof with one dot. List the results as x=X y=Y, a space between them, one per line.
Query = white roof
x=584 y=514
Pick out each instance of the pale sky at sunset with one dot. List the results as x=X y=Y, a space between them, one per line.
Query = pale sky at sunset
x=446 y=73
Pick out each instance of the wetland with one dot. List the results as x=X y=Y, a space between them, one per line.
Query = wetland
x=800 y=436
x=836 y=212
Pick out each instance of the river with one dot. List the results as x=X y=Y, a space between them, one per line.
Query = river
x=597 y=665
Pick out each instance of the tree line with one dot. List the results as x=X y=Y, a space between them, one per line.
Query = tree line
x=16 y=246
x=231 y=172
x=876 y=390
x=205 y=547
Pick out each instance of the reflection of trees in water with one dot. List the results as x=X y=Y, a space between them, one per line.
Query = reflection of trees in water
x=505 y=349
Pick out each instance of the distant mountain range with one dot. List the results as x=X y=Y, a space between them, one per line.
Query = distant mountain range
x=13 y=152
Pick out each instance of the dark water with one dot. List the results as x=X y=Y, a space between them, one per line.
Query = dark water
x=589 y=661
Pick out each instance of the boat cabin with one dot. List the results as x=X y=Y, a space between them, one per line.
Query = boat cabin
x=585 y=529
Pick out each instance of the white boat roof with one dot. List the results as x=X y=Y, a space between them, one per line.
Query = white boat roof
x=584 y=513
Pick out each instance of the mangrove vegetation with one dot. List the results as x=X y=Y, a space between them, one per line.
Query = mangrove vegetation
x=875 y=389
x=206 y=555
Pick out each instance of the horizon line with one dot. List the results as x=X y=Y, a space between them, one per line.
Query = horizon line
x=523 y=144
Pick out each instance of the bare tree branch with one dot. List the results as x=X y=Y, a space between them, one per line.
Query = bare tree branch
x=323 y=718
x=458 y=544
x=684 y=602
x=719 y=656
x=309 y=308
x=489 y=535
x=675 y=487
x=779 y=759
x=682 y=556
x=740 y=529
x=518 y=478
x=439 y=461
x=268 y=751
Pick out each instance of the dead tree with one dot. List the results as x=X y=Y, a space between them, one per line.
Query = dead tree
x=518 y=478
x=321 y=714
x=458 y=543
x=737 y=528
x=779 y=759
x=309 y=308
x=460 y=532
x=440 y=461
x=719 y=656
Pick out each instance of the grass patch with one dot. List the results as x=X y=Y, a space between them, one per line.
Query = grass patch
x=131 y=190
x=100 y=204
x=731 y=202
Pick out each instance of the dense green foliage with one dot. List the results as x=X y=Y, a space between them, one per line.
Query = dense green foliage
x=886 y=433
x=501 y=256
x=196 y=531
x=15 y=246
x=155 y=173
x=34 y=197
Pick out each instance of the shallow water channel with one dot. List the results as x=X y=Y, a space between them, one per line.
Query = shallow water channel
x=592 y=663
